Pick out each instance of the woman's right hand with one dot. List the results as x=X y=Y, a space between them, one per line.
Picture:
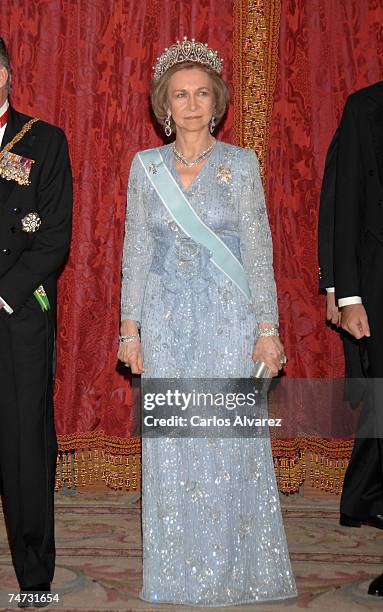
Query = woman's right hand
x=130 y=354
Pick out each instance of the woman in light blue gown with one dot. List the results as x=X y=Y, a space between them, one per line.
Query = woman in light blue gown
x=212 y=527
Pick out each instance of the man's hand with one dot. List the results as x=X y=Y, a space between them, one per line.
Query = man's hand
x=354 y=320
x=332 y=311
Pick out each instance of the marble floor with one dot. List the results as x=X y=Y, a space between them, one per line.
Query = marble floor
x=99 y=557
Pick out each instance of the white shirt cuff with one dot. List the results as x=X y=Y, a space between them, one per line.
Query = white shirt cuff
x=6 y=306
x=354 y=299
x=330 y=289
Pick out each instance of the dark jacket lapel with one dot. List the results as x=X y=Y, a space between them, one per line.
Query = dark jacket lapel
x=376 y=123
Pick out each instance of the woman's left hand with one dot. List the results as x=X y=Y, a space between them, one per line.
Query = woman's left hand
x=269 y=349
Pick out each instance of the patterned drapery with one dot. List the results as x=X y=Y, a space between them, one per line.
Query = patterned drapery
x=327 y=50
x=86 y=66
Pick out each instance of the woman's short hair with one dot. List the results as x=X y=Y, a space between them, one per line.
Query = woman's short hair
x=159 y=92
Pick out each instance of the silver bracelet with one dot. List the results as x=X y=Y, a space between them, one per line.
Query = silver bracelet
x=267 y=331
x=128 y=338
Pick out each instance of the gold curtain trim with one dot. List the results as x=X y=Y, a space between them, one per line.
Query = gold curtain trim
x=117 y=462
x=83 y=467
x=255 y=58
x=89 y=458
x=323 y=462
x=101 y=440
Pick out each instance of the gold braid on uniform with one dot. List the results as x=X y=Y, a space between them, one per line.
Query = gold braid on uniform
x=26 y=127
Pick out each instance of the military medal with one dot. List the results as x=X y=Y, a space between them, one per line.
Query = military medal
x=15 y=167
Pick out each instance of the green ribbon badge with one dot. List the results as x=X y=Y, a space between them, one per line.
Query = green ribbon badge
x=42 y=298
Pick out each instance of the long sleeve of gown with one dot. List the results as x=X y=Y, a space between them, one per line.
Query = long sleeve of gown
x=138 y=247
x=256 y=244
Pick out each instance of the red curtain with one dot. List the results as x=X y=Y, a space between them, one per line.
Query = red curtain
x=86 y=66
x=327 y=50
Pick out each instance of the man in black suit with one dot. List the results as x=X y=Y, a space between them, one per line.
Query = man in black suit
x=354 y=387
x=358 y=266
x=35 y=231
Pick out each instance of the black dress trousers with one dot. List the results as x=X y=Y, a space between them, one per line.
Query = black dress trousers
x=28 y=446
x=362 y=494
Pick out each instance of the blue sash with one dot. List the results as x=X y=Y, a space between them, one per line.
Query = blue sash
x=187 y=219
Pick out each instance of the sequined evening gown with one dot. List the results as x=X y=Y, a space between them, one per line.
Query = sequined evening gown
x=212 y=525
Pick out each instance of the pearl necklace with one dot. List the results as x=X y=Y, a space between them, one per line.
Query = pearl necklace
x=195 y=161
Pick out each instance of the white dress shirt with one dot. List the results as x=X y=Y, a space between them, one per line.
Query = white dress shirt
x=347 y=301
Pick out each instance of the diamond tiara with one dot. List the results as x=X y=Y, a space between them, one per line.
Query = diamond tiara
x=187 y=51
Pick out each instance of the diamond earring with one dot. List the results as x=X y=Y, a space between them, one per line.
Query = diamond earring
x=168 y=125
x=212 y=124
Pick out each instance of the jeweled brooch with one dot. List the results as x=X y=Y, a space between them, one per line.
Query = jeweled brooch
x=152 y=168
x=224 y=175
x=31 y=222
